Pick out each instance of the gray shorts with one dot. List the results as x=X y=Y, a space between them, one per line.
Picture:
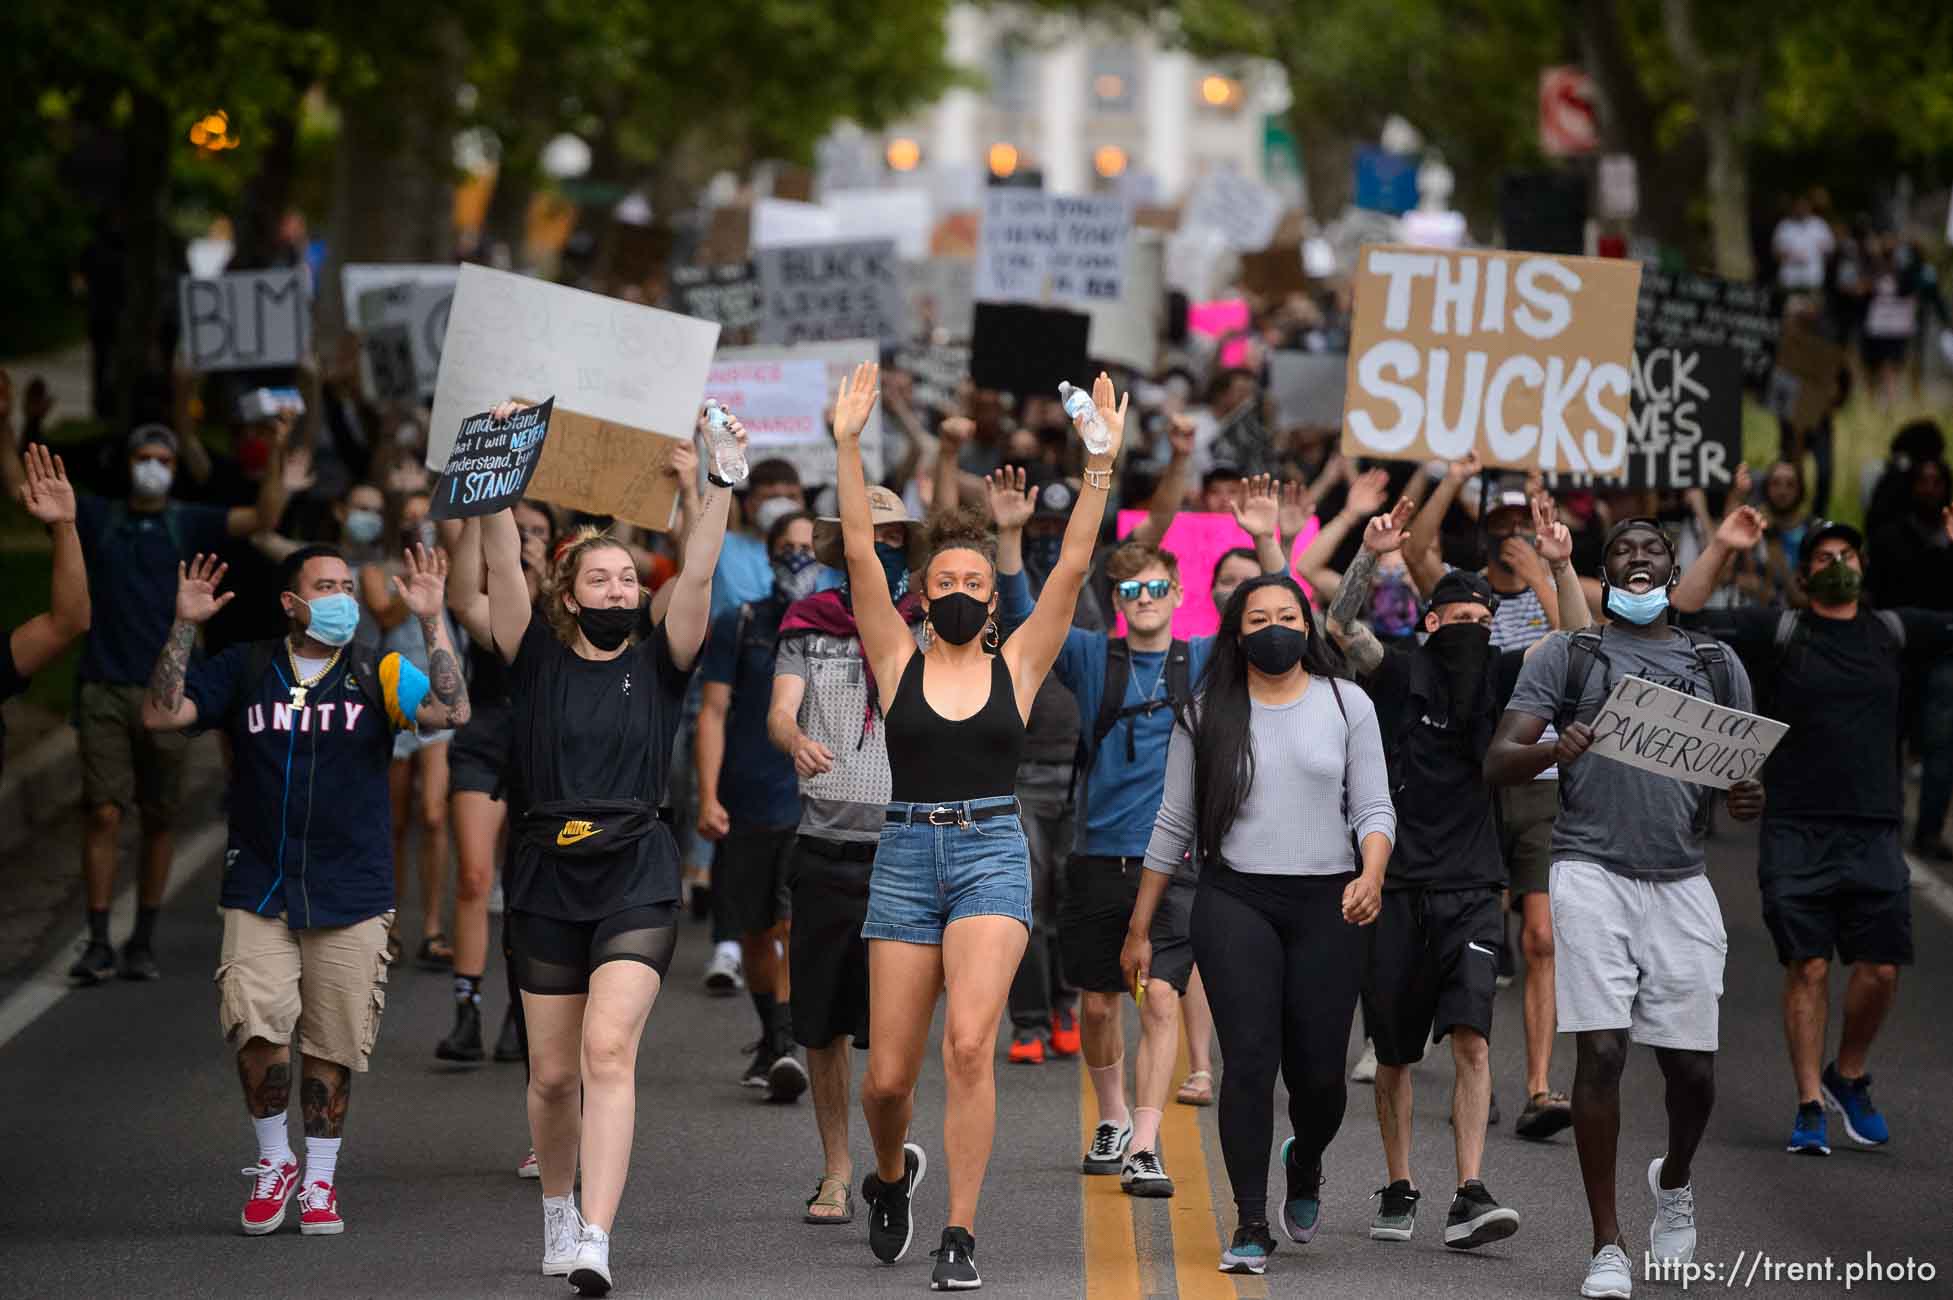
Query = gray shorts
x=1641 y=955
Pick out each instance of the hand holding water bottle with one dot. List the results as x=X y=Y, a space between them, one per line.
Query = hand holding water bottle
x=725 y=438
x=1100 y=422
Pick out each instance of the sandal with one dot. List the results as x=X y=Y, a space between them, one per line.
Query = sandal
x=1197 y=1094
x=844 y=1202
x=436 y=953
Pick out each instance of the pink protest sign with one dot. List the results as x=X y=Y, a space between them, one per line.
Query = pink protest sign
x=1216 y=319
x=1198 y=540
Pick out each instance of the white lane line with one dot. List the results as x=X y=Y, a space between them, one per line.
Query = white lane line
x=1929 y=885
x=46 y=987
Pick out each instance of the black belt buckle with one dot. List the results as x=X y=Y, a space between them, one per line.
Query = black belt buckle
x=948 y=816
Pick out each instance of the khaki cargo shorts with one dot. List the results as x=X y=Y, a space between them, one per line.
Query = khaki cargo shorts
x=330 y=983
x=123 y=762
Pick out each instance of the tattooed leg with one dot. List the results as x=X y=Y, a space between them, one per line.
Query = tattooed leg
x=323 y=1095
x=265 y=1070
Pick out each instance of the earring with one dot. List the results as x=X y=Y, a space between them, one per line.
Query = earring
x=991 y=637
x=927 y=637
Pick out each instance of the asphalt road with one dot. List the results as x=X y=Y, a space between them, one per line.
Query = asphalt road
x=123 y=1132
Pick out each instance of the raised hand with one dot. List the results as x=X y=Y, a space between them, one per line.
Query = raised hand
x=1298 y=503
x=1465 y=468
x=425 y=587
x=1521 y=557
x=1555 y=539
x=684 y=463
x=1258 y=509
x=1739 y=488
x=1011 y=503
x=1741 y=529
x=1180 y=435
x=955 y=431
x=733 y=426
x=1113 y=416
x=854 y=402
x=1385 y=533
x=1367 y=493
x=298 y=473
x=196 y=589
x=47 y=495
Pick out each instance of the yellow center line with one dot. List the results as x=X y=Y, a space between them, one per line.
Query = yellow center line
x=1196 y=1232
x=1111 y=1256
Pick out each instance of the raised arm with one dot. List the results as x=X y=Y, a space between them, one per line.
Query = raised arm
x=191 y=454
x=1421 y=555
x=1740 y=530
x=1382 y=535
x=423 y=590
x=1556 y=548
x=1171 y=492
x=1257 y=513
x=884 y=636
x=688 y=616
x=48 y=497
x=509 y=610
x=467 y=597
x=163 y=706
x=1032 y=650
x=272 y=492
x=1367 y=493
x=684 y=468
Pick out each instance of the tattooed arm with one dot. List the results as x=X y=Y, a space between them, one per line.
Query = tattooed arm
x=163 y=706
x=1383 y=534
x=425 y=593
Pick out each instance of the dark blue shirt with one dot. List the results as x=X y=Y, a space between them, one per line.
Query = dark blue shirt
x=309 y=815
x=757 y=783
x=132 y=559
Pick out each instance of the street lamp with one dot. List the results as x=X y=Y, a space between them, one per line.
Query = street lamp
x=1003 y=158
x=1109 y=161
x=903 y=154
x=1220 y=92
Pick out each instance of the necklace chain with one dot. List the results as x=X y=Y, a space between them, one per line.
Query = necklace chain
x=291 y=657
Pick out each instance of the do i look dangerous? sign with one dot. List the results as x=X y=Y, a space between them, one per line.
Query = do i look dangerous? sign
x=1661 y=730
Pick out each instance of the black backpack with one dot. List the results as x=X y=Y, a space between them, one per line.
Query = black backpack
x=1584 y=651
x=1113 y=708
x=361 y=662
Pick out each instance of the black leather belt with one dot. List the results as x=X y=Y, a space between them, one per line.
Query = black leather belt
x=960 y=813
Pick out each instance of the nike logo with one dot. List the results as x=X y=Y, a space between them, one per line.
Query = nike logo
x=574 y=831
x=1481 y=948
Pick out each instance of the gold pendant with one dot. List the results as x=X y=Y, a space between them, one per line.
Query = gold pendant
x=298 y=697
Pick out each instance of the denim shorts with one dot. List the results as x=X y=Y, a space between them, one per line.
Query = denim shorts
x=927 y=876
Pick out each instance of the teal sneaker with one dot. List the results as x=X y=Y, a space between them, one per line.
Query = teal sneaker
x=1250 y=1249
x=1302 y=1206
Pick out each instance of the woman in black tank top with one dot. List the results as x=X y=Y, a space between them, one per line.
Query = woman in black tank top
x=949 y=903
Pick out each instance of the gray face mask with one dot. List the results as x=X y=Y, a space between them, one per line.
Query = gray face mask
x=771 y=511
x=151 y=478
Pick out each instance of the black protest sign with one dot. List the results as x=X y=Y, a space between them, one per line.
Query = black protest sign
x=727 y=294
x=935 y=372
x=1544 y=212
x=491 y=464
x=390 y=361
x=817 y=292
x=1682 y=307
x=1685 y=417
x=1018 y=348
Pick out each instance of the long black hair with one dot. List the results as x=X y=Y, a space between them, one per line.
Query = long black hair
x=1224 y=760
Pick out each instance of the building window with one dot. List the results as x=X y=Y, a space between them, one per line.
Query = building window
x=1114 y=79
x=1011 y=71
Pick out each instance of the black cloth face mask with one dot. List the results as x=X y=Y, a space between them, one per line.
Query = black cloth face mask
x=957 y=617
x=609 y=627
x=1461 y=651
x=1274 y=649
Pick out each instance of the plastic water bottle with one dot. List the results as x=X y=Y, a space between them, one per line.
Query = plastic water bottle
x=728 y=461
x=1080 y=406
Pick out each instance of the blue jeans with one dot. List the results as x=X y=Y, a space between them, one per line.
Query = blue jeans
x=929 y=875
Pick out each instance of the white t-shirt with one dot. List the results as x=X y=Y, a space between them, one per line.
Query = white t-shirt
x=1801 y=247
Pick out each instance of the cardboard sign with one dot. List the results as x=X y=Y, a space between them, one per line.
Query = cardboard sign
x=1526 y=358
x=901 y=215
x=1685 y=427
x=813 y=292
x=1308 y=388
x=355 y=278
x=387 y=364
x=1661 y=730
x=422 y=310
x=940 y=295
x=1684 y=307
x=815 y=459
x=1040 y=247
x=1804 y=385
x=1127 y=332
x=1023 y=349
x=1198 y=540
x=728 y=294
x=1242 y=210
x=1275 y=271
x=246 y=320
x=617 y=363
x=491 y=464
x=604 y=468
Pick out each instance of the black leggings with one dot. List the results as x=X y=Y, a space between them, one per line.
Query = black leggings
x=1283 y=971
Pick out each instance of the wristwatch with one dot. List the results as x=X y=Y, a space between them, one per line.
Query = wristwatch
x=712 y=477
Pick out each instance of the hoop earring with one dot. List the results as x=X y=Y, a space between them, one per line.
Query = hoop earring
x=991 y=637
x=928 y=637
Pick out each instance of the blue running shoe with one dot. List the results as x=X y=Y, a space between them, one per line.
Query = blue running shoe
x=1808 y=1137
x=1852 y=1098
x=1249 y=1251
x=1302 y=1206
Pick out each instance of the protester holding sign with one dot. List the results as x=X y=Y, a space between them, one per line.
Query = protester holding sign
x=1832 y=870
x=1637 y=934
x=593 y=871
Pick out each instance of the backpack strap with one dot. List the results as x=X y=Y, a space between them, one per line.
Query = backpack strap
x=1893 y=624
x=1582 y=653
x=1179 y=676
x=257 y=662
x=1713 y=658
x=1337 y=692
x=361 y=661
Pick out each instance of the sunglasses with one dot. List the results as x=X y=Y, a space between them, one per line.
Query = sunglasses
x=1154 y=587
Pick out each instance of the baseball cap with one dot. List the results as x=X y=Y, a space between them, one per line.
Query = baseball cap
x=1823 y=530
x=144 y=435
x=1463 y=587
x=1051 y=495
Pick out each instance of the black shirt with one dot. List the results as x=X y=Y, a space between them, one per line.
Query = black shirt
x=587 y=729
x=1840 y=692
x=11 y=684
x=1447 y=835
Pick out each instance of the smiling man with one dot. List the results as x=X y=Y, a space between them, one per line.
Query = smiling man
x=1637 y=930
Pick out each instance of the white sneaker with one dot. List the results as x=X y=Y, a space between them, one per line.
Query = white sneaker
x=1609 y=1276
x=723 y=977
x=562 y=1236
x=590 y=1270
x=1671 y=1236
x=530 y=1166
x=1365 y=1069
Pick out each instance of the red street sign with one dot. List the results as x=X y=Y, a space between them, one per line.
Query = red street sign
x=1569 y=123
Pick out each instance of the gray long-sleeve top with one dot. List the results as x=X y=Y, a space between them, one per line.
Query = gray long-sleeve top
x=1292 y=822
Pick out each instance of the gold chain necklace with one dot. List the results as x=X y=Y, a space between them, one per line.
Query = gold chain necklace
x=300 y=683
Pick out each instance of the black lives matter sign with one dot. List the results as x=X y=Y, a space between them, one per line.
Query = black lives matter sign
x=822 y=292
x=1685 y=308
x=491 y=464
x=1685 y=417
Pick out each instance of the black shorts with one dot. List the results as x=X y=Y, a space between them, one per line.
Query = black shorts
x=827 y=959
x=1433 y=967
x=751 y=869
x=478 y=756
x=1093 y=915
x=556 y=957
x=1836 y=887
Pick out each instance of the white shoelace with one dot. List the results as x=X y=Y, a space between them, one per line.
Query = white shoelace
x=315 y=1196
x=266 y=1177
x=562 y=1227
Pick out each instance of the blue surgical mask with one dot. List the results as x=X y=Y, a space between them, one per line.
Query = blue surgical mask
x=895 y=565
x=334 y=618
x=1643 y=608
x=363 y=527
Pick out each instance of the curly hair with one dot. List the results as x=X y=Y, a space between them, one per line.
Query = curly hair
x=963 y=529
x=1134 y=558
x=563 y=568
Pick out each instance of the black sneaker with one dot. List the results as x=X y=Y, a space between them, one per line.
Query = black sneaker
x=96 y=963
x=1546 y=1113
x=1476 y=1218
x=139 y=963
x=759 y=1067
x=508 y=1043
x=1396 y=1218
x=463 y=1042
x=786 y=1079
x=955 y=1263
x=1250 y=1249
x=889 y=1224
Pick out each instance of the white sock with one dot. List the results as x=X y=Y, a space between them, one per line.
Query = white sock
x=321 y=1159
x=274 y=1138
x=728 y=949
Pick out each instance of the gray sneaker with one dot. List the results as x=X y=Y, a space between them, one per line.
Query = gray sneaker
x=1609 y=1276
x=1671 y=1236
x=1396 y=1214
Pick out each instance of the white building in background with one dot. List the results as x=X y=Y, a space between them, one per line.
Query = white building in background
x=1089 y=107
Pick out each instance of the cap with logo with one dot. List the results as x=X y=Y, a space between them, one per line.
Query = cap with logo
x=1823 y=530
x=884 y=507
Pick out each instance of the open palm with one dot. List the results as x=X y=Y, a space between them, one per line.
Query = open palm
x=197 y=599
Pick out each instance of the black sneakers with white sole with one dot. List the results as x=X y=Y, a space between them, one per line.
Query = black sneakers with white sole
x=891 y=1223
x=1476 y=1219
x=956 y=1268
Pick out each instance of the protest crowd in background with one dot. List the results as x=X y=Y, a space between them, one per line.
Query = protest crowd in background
x=1315 y=541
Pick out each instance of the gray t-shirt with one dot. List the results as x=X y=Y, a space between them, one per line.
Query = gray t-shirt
x=850 y=800
x=1292 y=822
x=1633 y=823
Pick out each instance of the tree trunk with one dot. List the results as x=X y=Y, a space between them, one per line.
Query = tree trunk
x=146 y=269
x=1729 y=198
x=267 y=197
